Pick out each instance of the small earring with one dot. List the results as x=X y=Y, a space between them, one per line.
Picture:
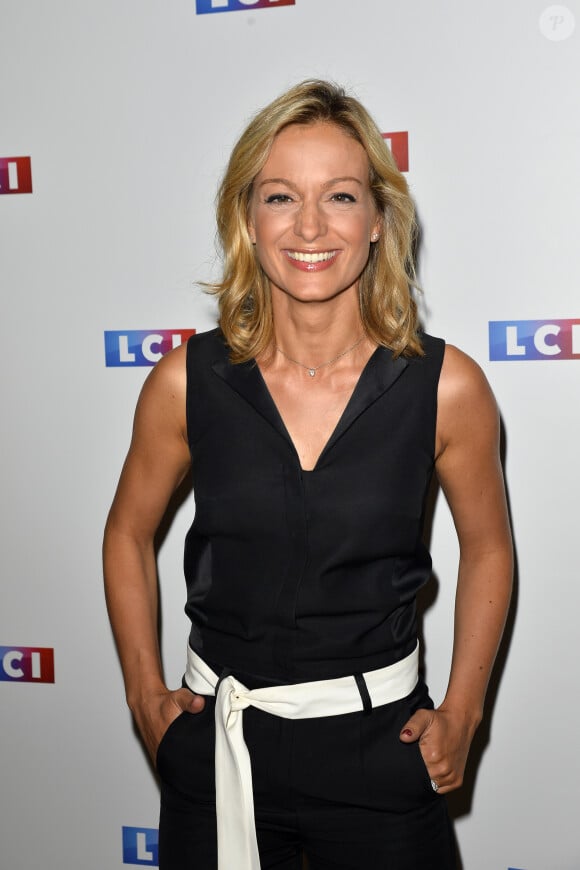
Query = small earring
x=374 y=237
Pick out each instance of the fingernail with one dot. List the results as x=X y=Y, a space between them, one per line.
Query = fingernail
x=407 y=732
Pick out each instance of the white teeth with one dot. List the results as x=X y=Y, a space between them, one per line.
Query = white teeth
x=318 y=257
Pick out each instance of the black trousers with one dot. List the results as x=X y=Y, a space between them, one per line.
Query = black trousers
x=341 y=790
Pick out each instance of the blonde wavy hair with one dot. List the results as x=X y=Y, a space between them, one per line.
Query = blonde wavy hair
x=388 y=310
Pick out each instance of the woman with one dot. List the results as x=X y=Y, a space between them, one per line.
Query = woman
x=311 y=422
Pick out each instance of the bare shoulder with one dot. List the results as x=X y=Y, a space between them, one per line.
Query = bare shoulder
x=158 y=456
x=468 y=463
x=466 y=407
x=461 y=376
x=162 y=399
x=170 y=372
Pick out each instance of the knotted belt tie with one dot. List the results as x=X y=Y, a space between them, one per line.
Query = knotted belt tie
x=236 y=827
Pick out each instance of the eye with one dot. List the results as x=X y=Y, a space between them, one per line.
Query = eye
x=343 y=197
x=278 y=199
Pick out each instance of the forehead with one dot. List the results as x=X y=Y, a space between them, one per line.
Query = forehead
x=321 y=148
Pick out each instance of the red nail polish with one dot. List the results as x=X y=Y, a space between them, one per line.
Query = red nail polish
x=407 y=732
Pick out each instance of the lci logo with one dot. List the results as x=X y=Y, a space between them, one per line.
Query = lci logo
x=142 y=347
x=534 y=339
x=399 y=145
x=26 y=664
x=205 y=6
x=15 y=175
x=141 y=846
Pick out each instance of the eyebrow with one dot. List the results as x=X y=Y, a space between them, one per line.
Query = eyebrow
x=324 y=186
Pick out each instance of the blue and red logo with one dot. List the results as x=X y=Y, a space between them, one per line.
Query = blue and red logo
x=26 y=664
x=141 y=846
x=399 y=145
x=15 y=175
x=142 y=347
x=205 y=6
x=534 y=339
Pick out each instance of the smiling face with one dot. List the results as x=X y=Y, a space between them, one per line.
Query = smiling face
x=312 y=215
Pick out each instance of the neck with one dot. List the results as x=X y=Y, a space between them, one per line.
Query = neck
x=315 y=332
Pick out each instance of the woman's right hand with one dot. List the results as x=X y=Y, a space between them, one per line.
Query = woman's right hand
x=155 y=713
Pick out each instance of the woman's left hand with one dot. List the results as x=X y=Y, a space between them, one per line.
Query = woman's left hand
x=444 y=740
x=469 y=471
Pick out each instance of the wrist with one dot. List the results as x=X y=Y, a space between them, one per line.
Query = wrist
x=470 y=714
x=137 y=696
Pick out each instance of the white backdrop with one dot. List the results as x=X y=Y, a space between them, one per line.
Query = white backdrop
x=128 y=110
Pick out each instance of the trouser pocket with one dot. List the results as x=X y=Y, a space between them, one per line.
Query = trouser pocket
x=185 y=756
x=395 y=774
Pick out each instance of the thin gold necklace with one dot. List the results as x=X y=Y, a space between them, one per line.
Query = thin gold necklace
x=313 y=369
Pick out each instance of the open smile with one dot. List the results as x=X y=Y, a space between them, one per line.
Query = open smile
x=311 y=261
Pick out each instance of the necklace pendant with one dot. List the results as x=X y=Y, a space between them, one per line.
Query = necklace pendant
x=311 y=372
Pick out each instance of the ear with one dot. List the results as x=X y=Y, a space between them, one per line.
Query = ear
x=377 y=229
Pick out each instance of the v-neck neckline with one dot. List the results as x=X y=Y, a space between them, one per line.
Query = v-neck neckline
x=336 y=427
x=377 y=376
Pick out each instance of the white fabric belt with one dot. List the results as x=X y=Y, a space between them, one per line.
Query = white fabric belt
x=237 y=846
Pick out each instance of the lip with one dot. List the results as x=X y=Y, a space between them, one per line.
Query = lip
x=306 y=265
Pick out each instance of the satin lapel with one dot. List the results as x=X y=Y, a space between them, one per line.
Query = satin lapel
x=246 y=379
x=378 y=376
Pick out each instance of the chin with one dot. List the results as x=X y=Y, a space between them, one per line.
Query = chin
x=314 y=294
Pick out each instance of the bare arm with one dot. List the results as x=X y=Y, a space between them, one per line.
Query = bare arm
x=156 y=463
x=469 y=471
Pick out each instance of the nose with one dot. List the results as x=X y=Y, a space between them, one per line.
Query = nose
x=310 y=221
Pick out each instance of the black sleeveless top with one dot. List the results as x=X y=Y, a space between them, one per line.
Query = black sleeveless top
x=305 y=575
